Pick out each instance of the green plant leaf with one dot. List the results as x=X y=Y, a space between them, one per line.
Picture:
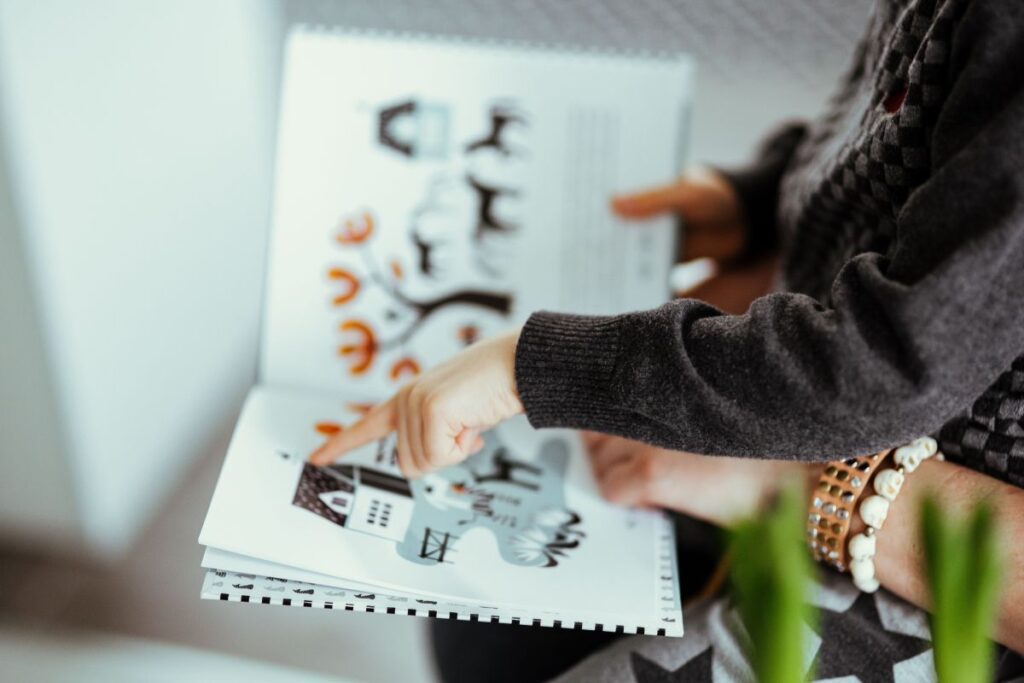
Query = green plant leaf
x=962 y=567
x=770 y=573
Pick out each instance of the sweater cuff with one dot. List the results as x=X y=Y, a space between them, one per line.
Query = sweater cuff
x=564 y=370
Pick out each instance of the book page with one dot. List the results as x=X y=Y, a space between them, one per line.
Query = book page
x=237 y=577
x=520 y=525
x=432 y=194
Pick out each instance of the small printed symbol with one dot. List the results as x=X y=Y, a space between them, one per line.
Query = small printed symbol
x=435 y=545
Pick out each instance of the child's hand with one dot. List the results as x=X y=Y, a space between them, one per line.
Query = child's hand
x=715 y=489
x=439 y=415
x=715 y=227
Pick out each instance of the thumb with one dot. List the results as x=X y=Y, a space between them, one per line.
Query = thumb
x=673 y=197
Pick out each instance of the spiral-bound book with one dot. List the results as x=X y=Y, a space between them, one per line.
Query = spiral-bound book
x=429 y=193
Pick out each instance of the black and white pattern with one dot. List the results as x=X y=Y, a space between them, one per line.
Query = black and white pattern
x=860 y=636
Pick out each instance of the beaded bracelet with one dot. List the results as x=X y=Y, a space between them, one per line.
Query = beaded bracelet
x=874 y=510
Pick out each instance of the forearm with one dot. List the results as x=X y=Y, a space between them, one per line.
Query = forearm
x=900 y=560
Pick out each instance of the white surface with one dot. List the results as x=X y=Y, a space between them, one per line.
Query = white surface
x=57 y=657
x=138 y=144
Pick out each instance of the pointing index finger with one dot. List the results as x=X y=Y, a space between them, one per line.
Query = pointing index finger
x=376 y=424
x=650 y=202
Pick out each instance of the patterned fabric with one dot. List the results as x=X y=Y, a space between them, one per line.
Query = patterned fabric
x=872 y=637
x=860 y=160
x=867 y=637
x=990 y=436
x=849 y=179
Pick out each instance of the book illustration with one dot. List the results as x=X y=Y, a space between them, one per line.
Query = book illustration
x=455 y=252
x=415 y=129
x=506 y=118
x=521 y=502
x=418 y=129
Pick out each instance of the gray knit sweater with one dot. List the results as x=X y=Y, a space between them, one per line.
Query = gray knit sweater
x=900 y=218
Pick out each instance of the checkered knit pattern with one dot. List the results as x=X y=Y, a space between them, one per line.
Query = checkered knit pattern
x=990 y=436
x=848 y=180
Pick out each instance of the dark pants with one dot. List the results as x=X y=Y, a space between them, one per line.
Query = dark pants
x=466 y=652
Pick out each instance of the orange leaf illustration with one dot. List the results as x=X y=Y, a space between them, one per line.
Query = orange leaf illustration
x=362 y=353
x=469 y=334
x=396 y=269
x=356 y=229
x=327 y=428
x=405 y=366
x=350 y=282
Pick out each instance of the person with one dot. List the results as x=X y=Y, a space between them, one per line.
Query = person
x=898 y=217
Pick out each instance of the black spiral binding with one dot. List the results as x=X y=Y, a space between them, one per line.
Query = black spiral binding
x=413 y=612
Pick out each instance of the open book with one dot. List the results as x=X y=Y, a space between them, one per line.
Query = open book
x=430 y=194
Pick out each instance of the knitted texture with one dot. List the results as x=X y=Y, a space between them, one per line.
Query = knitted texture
x=900 y=217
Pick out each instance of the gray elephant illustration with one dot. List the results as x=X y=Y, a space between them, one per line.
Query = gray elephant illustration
x=522 y=502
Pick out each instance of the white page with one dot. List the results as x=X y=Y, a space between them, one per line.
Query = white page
x=258 y=579
x=238 y=575
x=235 y=587
x=530 y=231
x=540 y=541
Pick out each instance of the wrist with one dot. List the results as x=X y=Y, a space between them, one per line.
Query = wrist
x=509 y=343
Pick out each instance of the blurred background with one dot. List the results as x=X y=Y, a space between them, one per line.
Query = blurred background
x=136 y=168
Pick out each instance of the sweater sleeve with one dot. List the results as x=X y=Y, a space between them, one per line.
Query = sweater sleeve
x=757 y=186
x=909 y=340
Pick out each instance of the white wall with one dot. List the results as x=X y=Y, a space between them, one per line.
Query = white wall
x=137 y=139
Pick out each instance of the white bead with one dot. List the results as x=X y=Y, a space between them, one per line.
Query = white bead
x=910 y=456
x=862 y=569
x=867 y=585
x=862 y=547
x=874 y=510
x=888 y=483
x=928 y=443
